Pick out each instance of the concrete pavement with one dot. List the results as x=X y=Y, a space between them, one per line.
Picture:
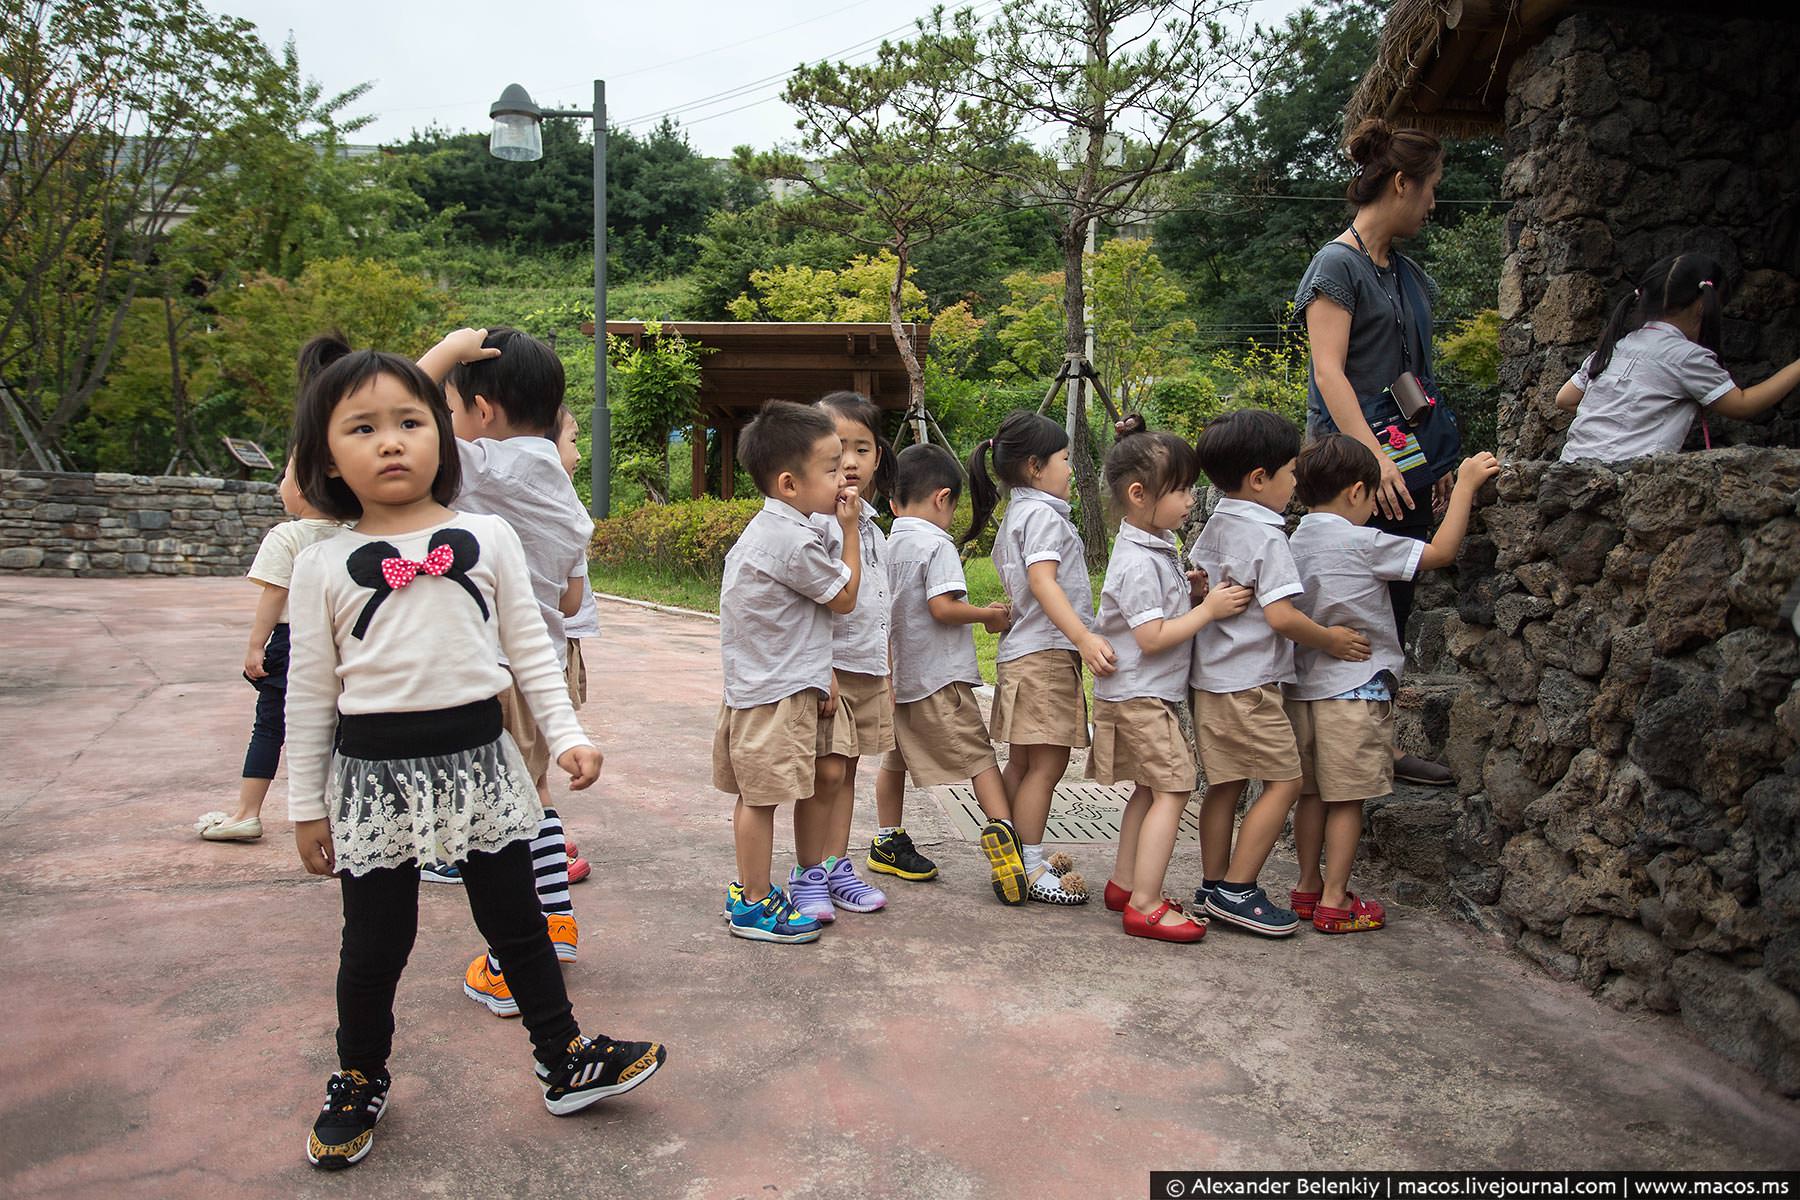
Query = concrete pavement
x=169 y=1014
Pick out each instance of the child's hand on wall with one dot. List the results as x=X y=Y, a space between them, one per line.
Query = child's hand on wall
x=1476 y=470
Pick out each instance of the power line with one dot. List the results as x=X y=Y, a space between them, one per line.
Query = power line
x=743 y=42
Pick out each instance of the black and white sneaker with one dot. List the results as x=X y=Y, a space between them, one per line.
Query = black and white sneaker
x=345 y=1131
x=593 y=1070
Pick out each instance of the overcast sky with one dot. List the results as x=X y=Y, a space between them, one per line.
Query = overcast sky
x=715 y=65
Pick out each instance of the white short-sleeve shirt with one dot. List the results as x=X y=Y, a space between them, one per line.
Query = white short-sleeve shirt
x=929 y=655
x=859 y=638
x=1144 y=582
x=1037 y=529
x=1346 y=570
x=774 y=628
x=1646 y=399
x=521 y=480
x=1245 y=544
x=274 y=562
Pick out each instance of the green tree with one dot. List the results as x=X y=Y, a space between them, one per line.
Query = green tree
x=657 y=384
x=1137 y=321
x=898 y=139
x=1136 y=84
x=861 y=291
x=106 y=107
x=733 y=244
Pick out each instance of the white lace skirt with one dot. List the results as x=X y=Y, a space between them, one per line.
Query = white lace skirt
x=388 y=812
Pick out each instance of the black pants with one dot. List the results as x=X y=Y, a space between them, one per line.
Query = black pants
x=269 y=729
x=1414 y=523
x=381 y=918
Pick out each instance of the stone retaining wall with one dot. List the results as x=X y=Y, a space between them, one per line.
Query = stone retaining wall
x=1625 y=731
x=54 y=523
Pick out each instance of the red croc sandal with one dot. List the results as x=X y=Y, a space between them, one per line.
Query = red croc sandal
x=1303 y=904
x=1360 y=916
x=1147 y=925
x=1116 y=897
x=579 y=869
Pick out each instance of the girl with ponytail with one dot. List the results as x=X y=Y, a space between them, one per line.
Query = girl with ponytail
x=1656 y=366
x=1039 y=704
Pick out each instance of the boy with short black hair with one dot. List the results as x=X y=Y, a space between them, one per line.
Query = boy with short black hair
x=780 y=587
x=505 y=391
x=1342 y=710
x=939 y=734
x=1240 y=663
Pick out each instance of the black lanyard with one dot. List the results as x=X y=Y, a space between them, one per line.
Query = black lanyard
x=1396 y=300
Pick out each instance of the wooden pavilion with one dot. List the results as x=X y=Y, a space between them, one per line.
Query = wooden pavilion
x=756 y=361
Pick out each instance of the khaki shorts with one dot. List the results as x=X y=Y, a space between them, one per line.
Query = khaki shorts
x=577 y=675
x=1245 y=735
x=1140 y=741
x=1346 y=747
x=1038 y=701
x=940 y=739
x=516 y=719
x=864 y=720
x=765 y=754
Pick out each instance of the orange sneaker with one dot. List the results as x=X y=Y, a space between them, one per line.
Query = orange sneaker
x=489 y=988
x=563 y=935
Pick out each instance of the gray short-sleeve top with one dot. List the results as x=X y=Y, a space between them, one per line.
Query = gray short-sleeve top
x=1144 y=582
x=1037 y=529
x=1347 y=277
x=929 y=655
x=1346 y=570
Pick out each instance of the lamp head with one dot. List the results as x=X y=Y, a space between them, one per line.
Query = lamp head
x=517 y=136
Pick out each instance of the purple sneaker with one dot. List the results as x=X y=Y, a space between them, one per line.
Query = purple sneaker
x=810 y=890
x=848 y=891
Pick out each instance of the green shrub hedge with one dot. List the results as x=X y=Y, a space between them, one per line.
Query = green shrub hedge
x=689 y=536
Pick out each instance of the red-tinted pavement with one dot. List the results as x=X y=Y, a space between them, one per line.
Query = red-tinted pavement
x=169 y=1002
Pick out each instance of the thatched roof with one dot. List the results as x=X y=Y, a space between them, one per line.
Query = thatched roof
x=1442 y=64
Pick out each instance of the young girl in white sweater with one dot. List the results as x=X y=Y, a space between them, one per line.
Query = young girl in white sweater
x=396 y=753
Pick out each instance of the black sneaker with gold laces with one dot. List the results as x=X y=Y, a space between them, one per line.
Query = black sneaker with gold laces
x=345 y=1131
x=595 y=1069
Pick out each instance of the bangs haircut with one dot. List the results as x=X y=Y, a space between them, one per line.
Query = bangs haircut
x=1234 y=445
x=856 y=407
x=781 y=438
x=1332 y=465
x=1161 y=461
x=526 y=382
x=342 y=378
x=923 y=470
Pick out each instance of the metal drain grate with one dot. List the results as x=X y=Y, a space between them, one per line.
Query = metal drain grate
x=1079 y=813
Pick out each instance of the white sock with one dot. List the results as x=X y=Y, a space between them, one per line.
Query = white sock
x=1033 y=856
x=882 y=831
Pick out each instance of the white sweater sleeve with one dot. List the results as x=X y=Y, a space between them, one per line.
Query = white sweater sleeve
x=526 y=643
x=312 y=690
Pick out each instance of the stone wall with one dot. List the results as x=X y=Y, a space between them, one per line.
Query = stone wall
x=54 y=523
x=1632 y=135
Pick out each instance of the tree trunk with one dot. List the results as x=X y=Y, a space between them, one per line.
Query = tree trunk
x=909 y=355
x=1082 y=454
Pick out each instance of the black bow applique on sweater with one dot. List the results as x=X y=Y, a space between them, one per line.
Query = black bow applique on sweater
x=378 y=566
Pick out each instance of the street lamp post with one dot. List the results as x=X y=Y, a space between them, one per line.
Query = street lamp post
x=517 y=137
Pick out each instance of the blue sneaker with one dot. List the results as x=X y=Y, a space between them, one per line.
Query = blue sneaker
x=771 y=919
x=1201 y=895
x=437 y=872
x=1252 y=910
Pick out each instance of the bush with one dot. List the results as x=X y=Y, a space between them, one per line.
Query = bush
x=688 y=537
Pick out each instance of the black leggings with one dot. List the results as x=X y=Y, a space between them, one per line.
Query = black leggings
x=381 y=918
x=269 y=729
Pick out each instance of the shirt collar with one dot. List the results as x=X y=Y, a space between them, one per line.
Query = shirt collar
x=785 y=511
x=919 y=525
x=1325 y=518
x=1029 y=493
x=1164 y=542
x=1250 y=510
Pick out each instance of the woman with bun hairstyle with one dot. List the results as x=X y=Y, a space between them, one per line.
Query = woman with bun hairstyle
x=1367 y=309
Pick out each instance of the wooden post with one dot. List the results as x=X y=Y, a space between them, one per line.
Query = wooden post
x=698 y=440
x=727 y=460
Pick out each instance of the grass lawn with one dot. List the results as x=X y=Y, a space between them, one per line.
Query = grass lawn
x=688 y=591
